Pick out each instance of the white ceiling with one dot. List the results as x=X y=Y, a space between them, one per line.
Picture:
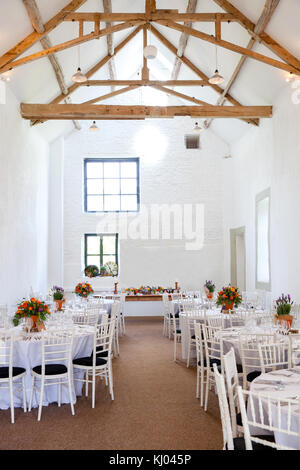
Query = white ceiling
x=258 y=83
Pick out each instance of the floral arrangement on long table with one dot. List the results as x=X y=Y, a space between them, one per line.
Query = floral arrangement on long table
x=229 y=297
x=145 y=290
x=34 y=309
x=84 y=289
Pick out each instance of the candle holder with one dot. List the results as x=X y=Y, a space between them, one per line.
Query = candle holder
x=176 y=286
x=116 y=288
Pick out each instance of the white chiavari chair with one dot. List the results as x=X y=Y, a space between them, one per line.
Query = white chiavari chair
x=99 y=364
x=213 y=347
x=232 y=382
x=122 y=313
x=191 y=338
x=294 y=350
x=175 y=328
x=115 y=315
x=201 y=364
x=56 y=366
x=88 y=316
x=186 y=304
x=279 y=416
x=166 y=314
x=249 y=350
x=11 y=376
x=229 y=441
x=176 y=296
x=216 y=321
x=273 y=356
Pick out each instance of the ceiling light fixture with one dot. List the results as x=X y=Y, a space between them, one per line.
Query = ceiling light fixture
x=197 y=129
x=217 y=78
x=150 y=52
x=290 y=77
x=79 y=77
x=93 y=127
x=4 y=78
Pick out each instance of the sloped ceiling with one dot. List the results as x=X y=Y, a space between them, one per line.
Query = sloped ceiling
x=257 y=84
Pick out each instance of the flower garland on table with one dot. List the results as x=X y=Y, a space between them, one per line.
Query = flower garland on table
x=31 y=308
x=84 y=289
x=144 y=290
x=228 y=296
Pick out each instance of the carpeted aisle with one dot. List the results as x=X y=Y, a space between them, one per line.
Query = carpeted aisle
x=154 y=408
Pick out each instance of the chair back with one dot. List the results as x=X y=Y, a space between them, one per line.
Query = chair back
x=232 y=382
x=6 y=351
x=224 y=410
x=216 y=321
x=294 y=350
x=273 y=356
x=213 y=343
x=176 y=296
x=280 y=416
x=103 y=338
x=249 y=350
x=57 y=348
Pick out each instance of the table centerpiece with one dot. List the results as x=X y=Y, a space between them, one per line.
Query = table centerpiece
x=84 y=289
x=228 y=298
x=283 y=309
x=209 y=288
x=58 y=297
x=34 y=309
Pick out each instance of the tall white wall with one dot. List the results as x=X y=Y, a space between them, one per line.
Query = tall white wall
x=268 y=156
x=174 y=175
x=23 y=205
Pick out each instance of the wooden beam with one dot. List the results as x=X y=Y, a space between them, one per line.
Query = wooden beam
x=218 y=27
x=145 y=69
x=230 y=46
x=159 y=15
x=107 y=7
x=90 y=112
x=197 y=71
x=37 y=22
x=269 y=8
x=22 y=46
x=150 y=7
x=145 y=82
x=112 y=94
x=89 y=73
x=68 y=44
x=182 y=96
x=267 y=40
x=183 y=40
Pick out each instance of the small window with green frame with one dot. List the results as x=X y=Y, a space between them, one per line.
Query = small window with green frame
x=100 y=249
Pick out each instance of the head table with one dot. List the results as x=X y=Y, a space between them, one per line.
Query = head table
x=28 y=354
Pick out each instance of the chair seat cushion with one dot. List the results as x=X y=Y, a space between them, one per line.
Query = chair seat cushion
x=178 y=332
x=193 y=337
x=51 y=369
x=211 y=362
x=100 y=353
x=88 y=361
x=239 y=421
x=239 y=443
x=239 y=368
x=4 y=372
x=252 y=375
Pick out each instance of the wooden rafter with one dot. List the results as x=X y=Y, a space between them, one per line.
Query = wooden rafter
x=191 y=8
x=71 y=43
x=269 y=8
x=37 y=23
x=197 y=71
x=89 y=73
x=110 y=42
x=22 y=46
x=182 y=96
x=263 y=37
x=232 y=47
x=158 y=15
x=145 y=82
x=90 y=112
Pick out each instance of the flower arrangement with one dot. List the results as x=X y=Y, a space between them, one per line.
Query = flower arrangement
x=210 y=286
x=57 y=293
x=91 y=271
x=33 y=308
x=144 y=290
x=228 y=297
x=284 y=305
x=84 y=289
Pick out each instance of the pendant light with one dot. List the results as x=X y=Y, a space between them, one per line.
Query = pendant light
x=290 y=77
x=93 y=127
x=197 y=129
x=150 y=52
x=217 y=78
x=79 y=77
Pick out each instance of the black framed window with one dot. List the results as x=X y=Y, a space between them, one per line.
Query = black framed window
x=100 y=248
x=111 y=185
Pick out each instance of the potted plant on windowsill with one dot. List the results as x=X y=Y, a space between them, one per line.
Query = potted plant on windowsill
x=91 y=271
x=58 y=297
x=283 y=309
x=209 y=288
x=228 y=298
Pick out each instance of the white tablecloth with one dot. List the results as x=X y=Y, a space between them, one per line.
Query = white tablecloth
x=28 y=354
x=291 y=389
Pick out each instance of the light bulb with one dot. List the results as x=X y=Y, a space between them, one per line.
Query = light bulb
x=150 y=52
x=216 y=79
x=94 y=127
x=79 y=77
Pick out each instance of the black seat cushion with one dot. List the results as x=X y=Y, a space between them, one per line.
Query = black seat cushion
x=239 y=421
x=100 y=353
x=193 y=337
x=239 y=368
x=211 y=362
x=178 y=332
x=51 y=369
x=4 y=372
x=239 y=443
x=88 y=361
x=252 y=375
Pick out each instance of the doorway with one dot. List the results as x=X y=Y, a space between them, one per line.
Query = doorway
x=238 y=258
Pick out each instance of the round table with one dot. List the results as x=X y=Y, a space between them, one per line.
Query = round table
x=28 y=354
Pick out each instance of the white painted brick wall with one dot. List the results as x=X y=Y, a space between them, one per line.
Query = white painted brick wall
x=180 y=176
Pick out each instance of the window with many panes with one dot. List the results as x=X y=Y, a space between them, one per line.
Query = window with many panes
x=111 y=185
x=100 y=248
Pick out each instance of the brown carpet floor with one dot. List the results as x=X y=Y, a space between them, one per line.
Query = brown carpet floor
x=154 y=408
